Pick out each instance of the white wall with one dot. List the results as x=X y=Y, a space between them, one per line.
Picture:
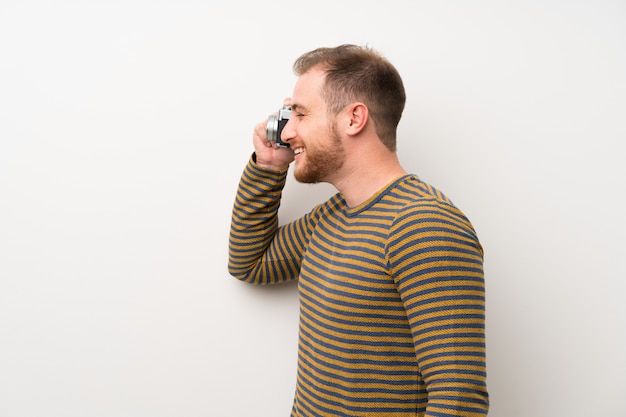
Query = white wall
x=124 y=126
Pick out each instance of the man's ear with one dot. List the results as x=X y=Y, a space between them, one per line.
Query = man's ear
x=358 y=115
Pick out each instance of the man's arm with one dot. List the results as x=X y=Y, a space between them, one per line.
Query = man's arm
x=257 y=252
x=436 y=261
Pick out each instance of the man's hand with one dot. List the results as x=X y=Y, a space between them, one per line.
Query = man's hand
x=268 y=155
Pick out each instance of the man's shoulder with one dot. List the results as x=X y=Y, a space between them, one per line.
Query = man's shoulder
x=410 y=191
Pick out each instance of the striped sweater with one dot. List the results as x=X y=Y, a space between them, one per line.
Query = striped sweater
x=392 y=297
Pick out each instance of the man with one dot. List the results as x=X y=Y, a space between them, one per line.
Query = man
x=390 y=272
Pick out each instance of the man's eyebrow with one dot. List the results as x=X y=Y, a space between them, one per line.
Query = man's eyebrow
x=298 y=107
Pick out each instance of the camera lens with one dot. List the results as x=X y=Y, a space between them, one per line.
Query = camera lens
x=272 y=128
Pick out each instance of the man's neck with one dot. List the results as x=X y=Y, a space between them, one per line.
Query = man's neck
x=367 y=176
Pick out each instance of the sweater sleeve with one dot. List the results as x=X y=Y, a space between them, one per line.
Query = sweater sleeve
x=437 y=263
x=259 y=251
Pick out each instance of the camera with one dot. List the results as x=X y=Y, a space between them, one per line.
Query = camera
x=275 y=125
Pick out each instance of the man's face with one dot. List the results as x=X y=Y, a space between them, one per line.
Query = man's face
x=313 y=137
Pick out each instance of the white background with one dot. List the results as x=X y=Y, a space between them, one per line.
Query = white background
x=124 y=127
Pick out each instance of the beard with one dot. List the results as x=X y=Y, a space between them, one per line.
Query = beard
x=322 y=160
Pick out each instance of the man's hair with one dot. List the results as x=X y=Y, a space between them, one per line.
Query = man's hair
x=355 y=73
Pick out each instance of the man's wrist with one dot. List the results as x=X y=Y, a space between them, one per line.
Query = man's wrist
x=267 y=167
